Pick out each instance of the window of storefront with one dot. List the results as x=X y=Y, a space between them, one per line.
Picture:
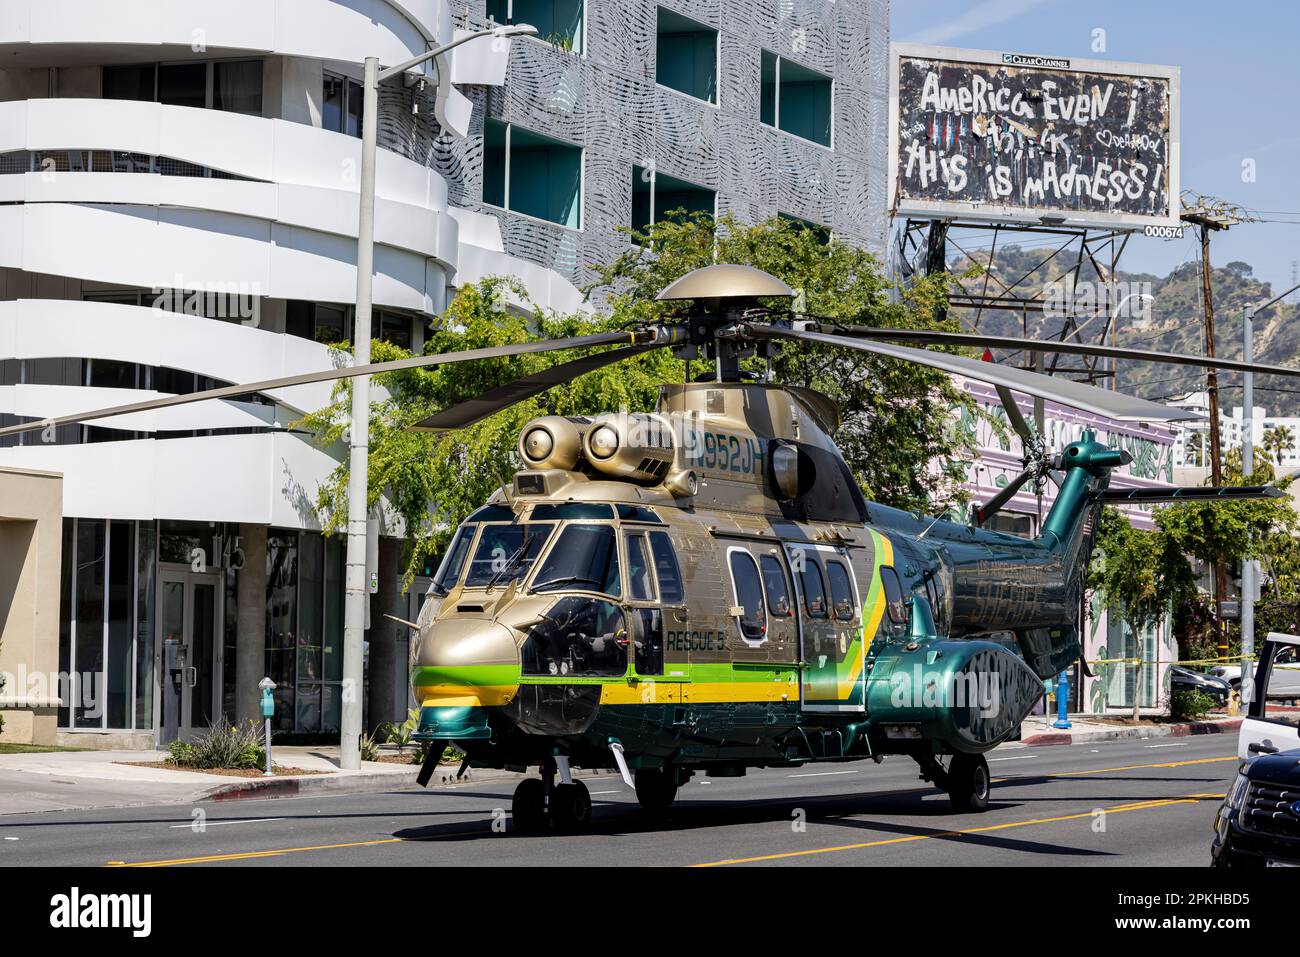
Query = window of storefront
x=106 y=626
x=304 y=636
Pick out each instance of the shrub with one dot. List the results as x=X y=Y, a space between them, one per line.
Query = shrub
x=1189 y=705
x=223 y=745
x=369 y=750
x=400 y=734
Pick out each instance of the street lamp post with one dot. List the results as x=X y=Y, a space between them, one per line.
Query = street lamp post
x=1249 y=572
x=354 y=606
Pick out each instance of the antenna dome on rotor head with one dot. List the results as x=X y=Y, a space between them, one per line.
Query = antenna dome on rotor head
x=725 y=281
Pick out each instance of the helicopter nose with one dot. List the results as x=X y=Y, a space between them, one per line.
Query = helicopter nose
x=463 y=665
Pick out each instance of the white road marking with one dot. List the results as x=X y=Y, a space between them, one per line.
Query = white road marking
x=1182 y=744
x=819 y=774
x=207 y=824
x=594 y=793
x=1022 y=757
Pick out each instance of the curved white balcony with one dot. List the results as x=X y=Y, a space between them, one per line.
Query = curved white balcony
x=346 y=30
x=55 y=328
x=291 y=231
x=266 y=479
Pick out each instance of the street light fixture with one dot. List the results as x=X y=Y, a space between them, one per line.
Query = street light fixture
x=354 y=606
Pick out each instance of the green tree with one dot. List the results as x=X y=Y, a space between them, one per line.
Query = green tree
x=1138 y=574
x=897 y=417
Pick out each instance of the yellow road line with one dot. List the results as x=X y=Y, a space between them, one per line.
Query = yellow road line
x=1117 y=809
x=1136 y=767
x=248 y=855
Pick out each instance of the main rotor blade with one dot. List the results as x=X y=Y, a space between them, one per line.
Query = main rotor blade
x=1070 y=348
x=308 y=378
x=481 y=406
x=986 y=511
x=1077 y=395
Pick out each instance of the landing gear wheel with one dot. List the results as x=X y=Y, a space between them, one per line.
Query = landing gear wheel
x=528 y=809
x=968 y=782
x=656 y=788
x=570 y=806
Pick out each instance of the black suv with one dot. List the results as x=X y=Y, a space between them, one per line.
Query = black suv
x=1259 y=823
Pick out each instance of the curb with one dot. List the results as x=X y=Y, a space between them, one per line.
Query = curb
x=359 y=783
x=1183 y=730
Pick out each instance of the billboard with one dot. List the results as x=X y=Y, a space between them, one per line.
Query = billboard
x=1008 y=137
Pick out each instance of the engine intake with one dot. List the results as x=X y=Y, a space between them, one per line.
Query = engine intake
x=638 y=446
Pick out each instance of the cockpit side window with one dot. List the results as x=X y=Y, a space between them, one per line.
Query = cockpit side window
x=453 y=562
x=639 y=579
x=584 y=558
x=666 y=569
x=578 y=636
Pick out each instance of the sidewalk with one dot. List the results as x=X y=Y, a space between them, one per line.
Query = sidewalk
x=78 y=780
x=1037 y=729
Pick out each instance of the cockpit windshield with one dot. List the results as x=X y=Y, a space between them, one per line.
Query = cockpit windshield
x=506 y=553
x=585 y=557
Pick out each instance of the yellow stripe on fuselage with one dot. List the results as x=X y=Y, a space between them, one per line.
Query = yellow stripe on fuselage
x=450 y=696
x=871 y=618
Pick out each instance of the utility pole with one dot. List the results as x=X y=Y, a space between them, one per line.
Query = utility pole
x=1209 y=214
x=1249 y=568
x=355 y=591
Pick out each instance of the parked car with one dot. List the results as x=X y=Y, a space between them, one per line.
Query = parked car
x=1259 y=822
x=1183 y=680
x=1284 y=681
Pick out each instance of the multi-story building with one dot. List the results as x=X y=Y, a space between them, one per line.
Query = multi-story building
x=1276 y=435
x=632 y=108
x=179 y=202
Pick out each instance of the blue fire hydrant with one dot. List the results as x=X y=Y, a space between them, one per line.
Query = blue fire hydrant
x=1063 y=702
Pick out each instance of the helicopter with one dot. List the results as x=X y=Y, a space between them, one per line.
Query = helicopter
x=703 y=588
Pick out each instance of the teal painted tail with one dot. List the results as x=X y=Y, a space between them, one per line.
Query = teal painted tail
x=1069 y=531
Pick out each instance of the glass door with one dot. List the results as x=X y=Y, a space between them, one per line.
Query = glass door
x=189 y=626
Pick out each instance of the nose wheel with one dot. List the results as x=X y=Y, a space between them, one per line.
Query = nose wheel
x=567 y=807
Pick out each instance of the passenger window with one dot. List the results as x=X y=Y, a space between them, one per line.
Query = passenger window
x=578 y=636
x=749 y=595
x=895 y=604
x=666 y=569
x=814 y=588
x=777 y=588
x=841 y=591
x=584 y=557
x=640 y=585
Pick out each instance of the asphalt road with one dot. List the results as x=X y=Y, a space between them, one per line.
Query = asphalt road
x=1115 y=803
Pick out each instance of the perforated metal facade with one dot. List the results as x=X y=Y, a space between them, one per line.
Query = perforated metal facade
x=605 y=100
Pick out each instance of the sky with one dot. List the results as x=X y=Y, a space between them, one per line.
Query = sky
x=1240 y=66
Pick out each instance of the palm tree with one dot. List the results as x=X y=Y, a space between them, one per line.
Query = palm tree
x=1279 y=441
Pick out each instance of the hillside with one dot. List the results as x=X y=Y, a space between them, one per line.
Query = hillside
x=1175 y=324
